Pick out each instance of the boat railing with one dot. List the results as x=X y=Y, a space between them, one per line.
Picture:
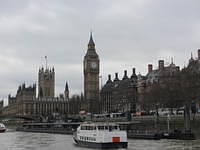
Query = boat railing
x=47 y=126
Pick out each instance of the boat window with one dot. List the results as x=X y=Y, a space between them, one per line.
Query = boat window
x=90 y=128
x=83 y=127
x=106 y=127
x=101 y=127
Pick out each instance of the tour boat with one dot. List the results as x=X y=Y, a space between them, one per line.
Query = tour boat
x=2 y=127
x=100 y=135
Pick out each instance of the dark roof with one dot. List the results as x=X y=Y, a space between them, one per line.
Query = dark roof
x=167 y=71
x=119 y=84
x=91 y=48
x=66 y=87
x=91 y=42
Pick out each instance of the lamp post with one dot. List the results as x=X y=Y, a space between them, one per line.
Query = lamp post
x=100 y=77
x=100 y=106
x=156 y=117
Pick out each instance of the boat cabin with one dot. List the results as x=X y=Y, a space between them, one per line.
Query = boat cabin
x=99 y=127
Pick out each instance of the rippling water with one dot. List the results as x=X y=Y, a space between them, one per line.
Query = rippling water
x=12 y=140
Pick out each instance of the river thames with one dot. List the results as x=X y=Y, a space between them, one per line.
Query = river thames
x=12 y=140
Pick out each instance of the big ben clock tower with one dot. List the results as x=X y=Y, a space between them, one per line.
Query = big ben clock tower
x=91 y=77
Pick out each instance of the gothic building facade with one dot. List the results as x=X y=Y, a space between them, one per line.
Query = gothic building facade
x=160 y=76
x=91 y=77
x=46 y=82
x=119 y=95
x=46 y=104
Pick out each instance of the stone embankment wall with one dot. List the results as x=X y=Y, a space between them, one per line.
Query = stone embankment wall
x=175 y=122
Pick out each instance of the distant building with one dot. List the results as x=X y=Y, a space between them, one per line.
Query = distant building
x=46 y=83
x=194 y=68
x=91 y=77
x=66 y=92
x=25 y=102
x=194 y=63
x=162 y=73
x=119 y=95
x=159 y=76
x=22 y=103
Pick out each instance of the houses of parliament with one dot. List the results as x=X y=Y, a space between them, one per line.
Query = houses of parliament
x=116 y=95
x=26 y=101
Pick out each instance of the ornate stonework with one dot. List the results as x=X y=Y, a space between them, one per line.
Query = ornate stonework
x=91 y=77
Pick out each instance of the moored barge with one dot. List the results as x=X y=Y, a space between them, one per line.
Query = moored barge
x=58 y=128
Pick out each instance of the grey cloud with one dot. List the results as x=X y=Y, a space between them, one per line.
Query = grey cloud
x=127 y=34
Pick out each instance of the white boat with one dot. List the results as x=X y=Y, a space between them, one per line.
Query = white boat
x=2 y=127
x=100 y=135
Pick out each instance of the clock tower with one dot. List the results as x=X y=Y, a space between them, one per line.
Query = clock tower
x=91 y=77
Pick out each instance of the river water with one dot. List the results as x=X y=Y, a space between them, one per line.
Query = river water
x=12 y=140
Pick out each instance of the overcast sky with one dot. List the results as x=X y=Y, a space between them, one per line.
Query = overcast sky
x=127 y=34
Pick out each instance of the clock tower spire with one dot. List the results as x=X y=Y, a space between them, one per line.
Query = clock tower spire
x=91 y=77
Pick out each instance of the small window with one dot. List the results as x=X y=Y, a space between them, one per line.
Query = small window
x=101 y=127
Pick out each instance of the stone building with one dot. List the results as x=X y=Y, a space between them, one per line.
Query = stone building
x=22 y=103
x=46 y=82
x=162 y=73
x=159 y=76
x=119 y=95
x=26 y=103
x=193 y=68
x=194 y=63
x=91 y=77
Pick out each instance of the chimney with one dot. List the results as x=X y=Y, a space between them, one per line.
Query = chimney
x=150 y=68
x=198 y=53
x=133 y=75
x=109 y=79
x=116 y=77
x=125 y=75
x=133 y=70
x=161 y=64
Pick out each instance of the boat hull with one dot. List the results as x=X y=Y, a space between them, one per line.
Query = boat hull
x=101 y=145
x=2 y=130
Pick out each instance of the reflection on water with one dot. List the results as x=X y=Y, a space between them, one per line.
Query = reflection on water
x=41 y=141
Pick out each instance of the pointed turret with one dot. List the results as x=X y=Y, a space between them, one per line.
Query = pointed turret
x=91 y=44
x=91 y=47
x=191 y=59
x=66 y=87
x=66 y=92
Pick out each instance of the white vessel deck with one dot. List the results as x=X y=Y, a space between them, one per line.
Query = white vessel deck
x=106 y=135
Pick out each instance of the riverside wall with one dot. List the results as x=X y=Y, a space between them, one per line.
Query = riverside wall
x=161 y=123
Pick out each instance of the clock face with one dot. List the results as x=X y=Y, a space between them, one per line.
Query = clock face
x=93 y=65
